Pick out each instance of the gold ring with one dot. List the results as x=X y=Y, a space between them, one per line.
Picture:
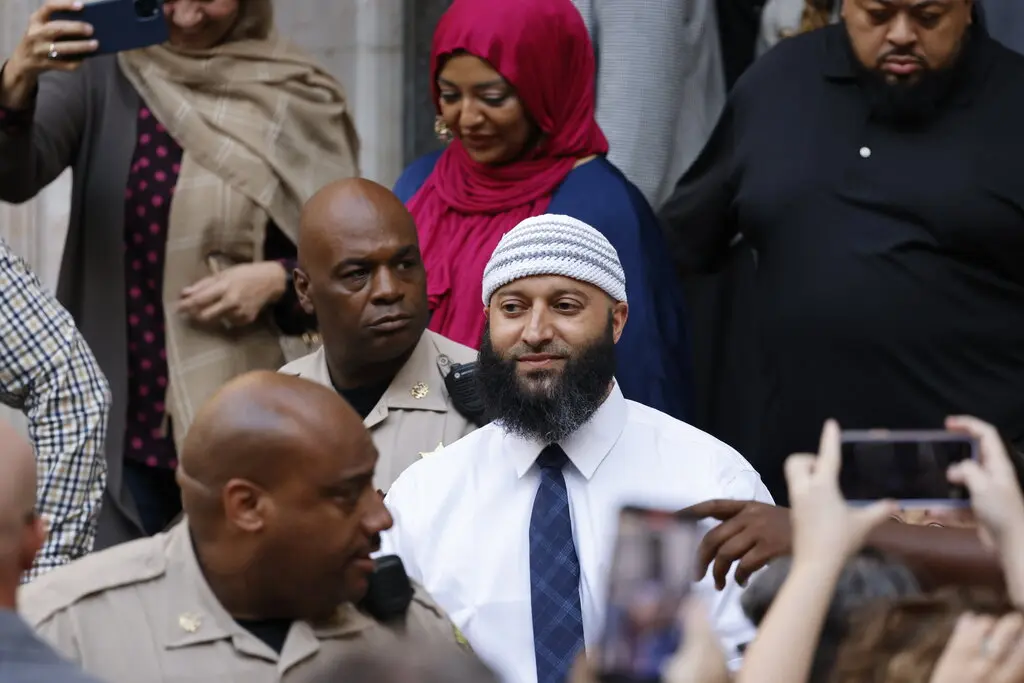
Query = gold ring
x=53 y=54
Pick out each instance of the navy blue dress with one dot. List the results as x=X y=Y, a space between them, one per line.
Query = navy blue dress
x=653 y=353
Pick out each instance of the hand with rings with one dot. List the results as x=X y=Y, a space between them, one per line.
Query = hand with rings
x=48 y=45
x=983 y=649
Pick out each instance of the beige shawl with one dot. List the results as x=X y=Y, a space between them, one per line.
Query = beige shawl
x=263 y=128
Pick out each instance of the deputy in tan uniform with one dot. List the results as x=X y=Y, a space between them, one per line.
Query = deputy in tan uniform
x=259 y=583
x=361 y=274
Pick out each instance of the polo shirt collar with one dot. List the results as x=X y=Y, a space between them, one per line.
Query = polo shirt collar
x=837 y=60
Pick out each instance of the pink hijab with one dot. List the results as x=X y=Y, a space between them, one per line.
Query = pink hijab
x=541 y=47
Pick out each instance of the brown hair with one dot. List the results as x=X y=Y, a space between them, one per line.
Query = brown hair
x=900 y=641
x=255 y=21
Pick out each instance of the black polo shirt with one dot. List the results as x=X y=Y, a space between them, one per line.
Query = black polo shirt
x=890 y=284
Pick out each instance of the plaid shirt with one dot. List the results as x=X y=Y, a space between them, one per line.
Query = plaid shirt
x=48 y=372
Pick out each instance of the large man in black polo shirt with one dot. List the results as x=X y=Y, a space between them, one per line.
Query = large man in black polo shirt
x=877 y=167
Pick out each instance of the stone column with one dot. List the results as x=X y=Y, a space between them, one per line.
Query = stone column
x=36 y=229
x=360 y=43
x=421 y=16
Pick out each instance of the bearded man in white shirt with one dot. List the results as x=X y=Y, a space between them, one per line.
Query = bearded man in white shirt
x=511 y=528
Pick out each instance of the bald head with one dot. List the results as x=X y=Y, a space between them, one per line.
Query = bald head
x=416 y=662
x=261 y=427
x=362 y=274
x=347 y=210
x=276 y=479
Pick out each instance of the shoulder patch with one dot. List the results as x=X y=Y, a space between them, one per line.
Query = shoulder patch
x=123 y=565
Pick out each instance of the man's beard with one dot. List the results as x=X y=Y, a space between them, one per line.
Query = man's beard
x=568 y=400
x=911 y=102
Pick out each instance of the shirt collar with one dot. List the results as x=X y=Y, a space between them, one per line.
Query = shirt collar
x=195 y=615
x=586 y=448
x=419 y=384
x=836 y=59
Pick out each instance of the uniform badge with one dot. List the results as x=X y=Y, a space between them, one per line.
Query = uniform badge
x=190 y=622
x=419 y=390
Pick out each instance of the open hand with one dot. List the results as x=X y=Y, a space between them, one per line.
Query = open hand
x=45 y=46
x=825 y=527
x=983 y=648
x=751 y=533
x=236 y=296
x=992 y=480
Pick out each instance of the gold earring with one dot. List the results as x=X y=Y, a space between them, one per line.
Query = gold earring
x=441 y=130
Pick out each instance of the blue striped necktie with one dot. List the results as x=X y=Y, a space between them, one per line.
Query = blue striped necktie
x=554 y=573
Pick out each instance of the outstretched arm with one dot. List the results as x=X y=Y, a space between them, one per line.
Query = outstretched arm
x=48 y=371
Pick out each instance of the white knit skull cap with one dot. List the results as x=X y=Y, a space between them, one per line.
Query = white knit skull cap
x=555 y=245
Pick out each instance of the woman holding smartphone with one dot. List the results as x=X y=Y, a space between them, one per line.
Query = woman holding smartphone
x=191 y=162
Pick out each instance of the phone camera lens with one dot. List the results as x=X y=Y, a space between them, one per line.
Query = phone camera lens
x=147 y=9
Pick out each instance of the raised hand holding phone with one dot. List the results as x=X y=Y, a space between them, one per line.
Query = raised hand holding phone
x=992 y=480
x=118 y=26
x=996 y=498
x=46 y=40
x=825 y=528
x=651 y=578
x=826 y=532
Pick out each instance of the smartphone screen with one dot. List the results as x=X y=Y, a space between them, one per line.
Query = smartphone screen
x=651 y=575
x=906 y=466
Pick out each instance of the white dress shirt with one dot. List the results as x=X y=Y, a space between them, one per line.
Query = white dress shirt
x=462 y=519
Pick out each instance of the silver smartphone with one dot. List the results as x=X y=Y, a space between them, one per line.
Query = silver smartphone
x=651 y=576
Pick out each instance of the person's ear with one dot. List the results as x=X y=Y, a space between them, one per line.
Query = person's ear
x=302 y=287
x=246 y=505
x=620 y=312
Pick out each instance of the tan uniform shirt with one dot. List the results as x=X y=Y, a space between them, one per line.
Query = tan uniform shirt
x=415 y=416
x=142 y=612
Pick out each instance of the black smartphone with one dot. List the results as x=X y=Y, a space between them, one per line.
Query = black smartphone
x=651 y=576
x=906 y=466
x=120 y=25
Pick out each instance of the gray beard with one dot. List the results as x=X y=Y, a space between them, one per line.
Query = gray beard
x=561 y=408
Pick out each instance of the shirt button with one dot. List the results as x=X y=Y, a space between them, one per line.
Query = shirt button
x=865 y=152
